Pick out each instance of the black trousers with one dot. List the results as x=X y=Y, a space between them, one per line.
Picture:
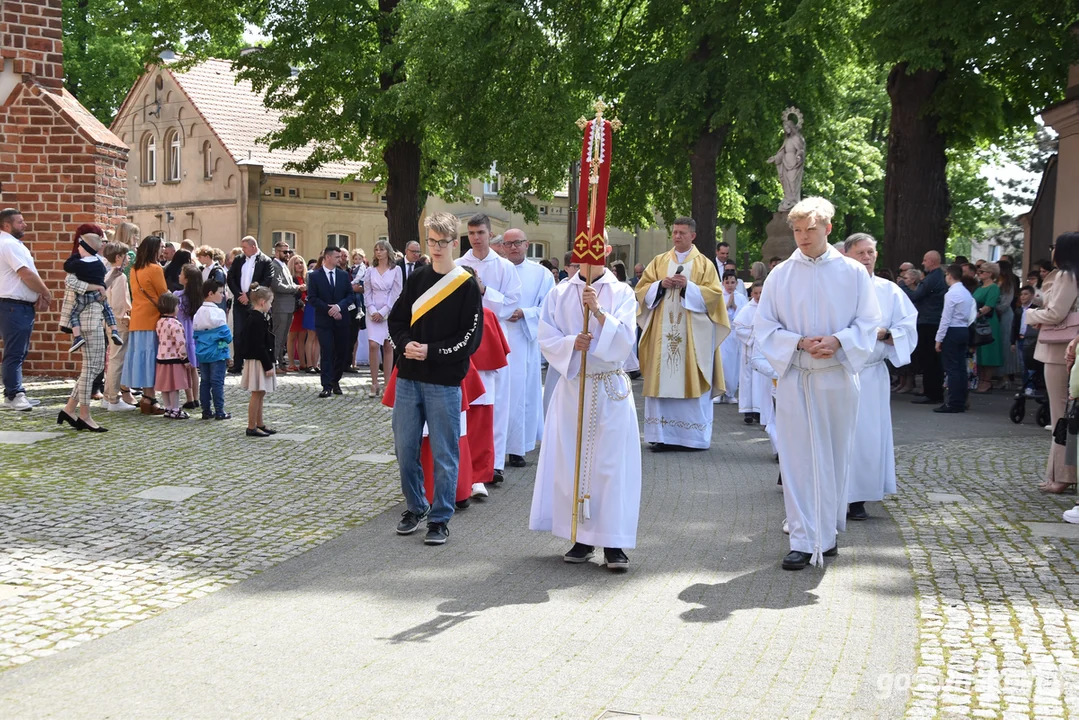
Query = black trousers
x=240 y=316
x=929 y=360
x=335 y=346
x=953 y=353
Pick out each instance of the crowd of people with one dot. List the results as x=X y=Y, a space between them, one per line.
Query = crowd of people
x=457 y=347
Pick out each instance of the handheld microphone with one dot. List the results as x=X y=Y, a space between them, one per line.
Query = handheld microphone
x=678 y=291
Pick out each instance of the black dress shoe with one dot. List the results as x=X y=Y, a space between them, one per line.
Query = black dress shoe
x=498 y=478
x=948 y=409
x=517 y=461
x=256 y=433
x=922 y=400
x=81 y=424
x=831 y=553
x=856 y=511
x=325 y=394
x=796 y=560
x=337 y=390
x=462 y=504
x=579 y=553
x=748 y=418
x=63 y=417
x=659 y=447
x=267 y=430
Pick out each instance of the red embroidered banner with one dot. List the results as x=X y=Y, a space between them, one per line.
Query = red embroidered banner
x=588 y=246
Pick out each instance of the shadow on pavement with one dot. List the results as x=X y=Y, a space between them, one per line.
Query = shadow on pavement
x=754 y=590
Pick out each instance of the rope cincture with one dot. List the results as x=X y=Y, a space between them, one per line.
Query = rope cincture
x=817 y=557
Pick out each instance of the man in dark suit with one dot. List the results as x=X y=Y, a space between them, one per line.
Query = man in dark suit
x=411 y=262
x=249 y=268
x=329 y=290
x=928 y=299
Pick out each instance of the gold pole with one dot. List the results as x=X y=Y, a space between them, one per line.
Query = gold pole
x=584 y=359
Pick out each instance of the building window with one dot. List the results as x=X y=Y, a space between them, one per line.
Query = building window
x=341 y=240
x=286 y=235
x=278 y=192
x=294 y=192
x=383 y=238
x=346 y=196
x=334 y=194
x=491 y=185
x=537 y=251
x=172 y=165
x=207 y=161
x=149 y=160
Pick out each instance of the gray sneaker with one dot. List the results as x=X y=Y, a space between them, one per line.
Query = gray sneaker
x=410 y=522
x=437 y=534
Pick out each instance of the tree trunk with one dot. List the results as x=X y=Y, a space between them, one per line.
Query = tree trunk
x=704 y=190
x=402 y=158
x=916 y=198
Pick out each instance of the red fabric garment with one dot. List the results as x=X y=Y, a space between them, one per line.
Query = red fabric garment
x=481 y=441
x=493 y=347
x=464 y=472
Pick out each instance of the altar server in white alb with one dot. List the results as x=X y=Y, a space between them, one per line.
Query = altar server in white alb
x=526 y=385
x=611 y=448
x=873 y=466
x=501 y=288
x=731 y=349
x=817 y=324
x=684 y=321
x=754 y=389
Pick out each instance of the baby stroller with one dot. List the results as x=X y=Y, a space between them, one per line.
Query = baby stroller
x=1033 y=386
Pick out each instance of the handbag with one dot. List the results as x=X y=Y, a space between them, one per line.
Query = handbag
x=981 y=332
x=1062 y=333
x=1060 y=431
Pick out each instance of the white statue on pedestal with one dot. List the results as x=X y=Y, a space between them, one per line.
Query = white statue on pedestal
x=790 y=159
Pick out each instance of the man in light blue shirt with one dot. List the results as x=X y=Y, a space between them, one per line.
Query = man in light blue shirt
x=953 y=336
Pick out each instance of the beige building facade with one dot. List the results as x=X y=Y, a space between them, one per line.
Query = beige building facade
x=198 y=171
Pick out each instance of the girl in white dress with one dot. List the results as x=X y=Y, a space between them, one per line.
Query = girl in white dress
x=381 y=288
x=730 y=350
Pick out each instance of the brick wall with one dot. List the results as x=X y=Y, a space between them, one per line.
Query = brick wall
x=58 y=164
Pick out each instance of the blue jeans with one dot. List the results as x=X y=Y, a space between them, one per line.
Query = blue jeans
x=440 y=407
x=16 y=324
x=953 y=355
x=213 y=381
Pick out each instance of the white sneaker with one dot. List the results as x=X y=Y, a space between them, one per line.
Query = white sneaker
x=19 y=402
x=119 y=406
x=786 y=528
x=1072 y=515
x=479 y=490
x=32 y=401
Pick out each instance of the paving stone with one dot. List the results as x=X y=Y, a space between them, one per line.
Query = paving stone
x=16 y=437
x=170 y=493
x=1065 y=530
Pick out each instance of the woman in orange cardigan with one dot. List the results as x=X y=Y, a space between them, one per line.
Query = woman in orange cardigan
x=147 y=285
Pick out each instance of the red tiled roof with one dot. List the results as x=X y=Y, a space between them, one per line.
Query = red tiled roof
x=80 y=118
x=236 y=114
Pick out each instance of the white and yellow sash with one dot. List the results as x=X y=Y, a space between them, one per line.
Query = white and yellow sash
x=438 y=292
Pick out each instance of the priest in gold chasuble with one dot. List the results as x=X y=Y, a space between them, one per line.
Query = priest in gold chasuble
x=684 y=320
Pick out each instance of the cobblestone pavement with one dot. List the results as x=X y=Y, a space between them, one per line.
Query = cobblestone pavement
x=80 y=556
x=704 y=625
x=997 y=603
x=928 y=614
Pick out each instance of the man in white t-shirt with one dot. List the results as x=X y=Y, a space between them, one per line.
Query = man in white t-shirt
x=22 y=295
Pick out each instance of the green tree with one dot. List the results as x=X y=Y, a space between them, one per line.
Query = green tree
x=960 y=74
x=108 y=43
x=700 y=85
x=426 y=93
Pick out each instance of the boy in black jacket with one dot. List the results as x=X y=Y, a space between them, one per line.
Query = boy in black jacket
x=435 y=326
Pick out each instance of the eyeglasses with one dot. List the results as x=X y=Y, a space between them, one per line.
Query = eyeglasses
x=514 y=243
x=431 y=242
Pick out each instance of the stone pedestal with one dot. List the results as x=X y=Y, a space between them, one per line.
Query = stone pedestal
x=780 y=242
